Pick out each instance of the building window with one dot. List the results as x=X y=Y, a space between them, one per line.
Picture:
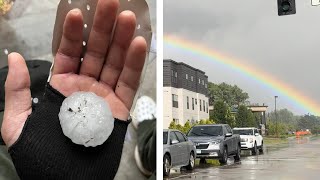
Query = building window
x=196 y=101
x=176 y=74
x=191 y=78
x=175 y=101
x=200 y=104
x=199 y=81
x=176 y=121
x=206 y=85
x=192 y=103
x=187 y=102
x=186 y=76
x=202 y=82
x=204 y=106
x=207 y=108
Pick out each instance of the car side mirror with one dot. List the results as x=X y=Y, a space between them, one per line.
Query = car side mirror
x=256 y=134
x=174 y=141
x=228 y=134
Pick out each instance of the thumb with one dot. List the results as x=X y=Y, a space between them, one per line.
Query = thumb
x=17 y=99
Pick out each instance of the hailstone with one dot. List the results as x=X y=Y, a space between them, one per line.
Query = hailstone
x=86 y=119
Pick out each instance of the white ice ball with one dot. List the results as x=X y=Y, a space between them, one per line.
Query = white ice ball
x=86 y=119
x=145 y=110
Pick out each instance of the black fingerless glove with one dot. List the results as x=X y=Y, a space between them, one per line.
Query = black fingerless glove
x=44 y=152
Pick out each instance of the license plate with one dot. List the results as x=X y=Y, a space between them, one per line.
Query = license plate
x=198 y=151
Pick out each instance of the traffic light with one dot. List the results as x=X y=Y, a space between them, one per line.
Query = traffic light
x=286 y=7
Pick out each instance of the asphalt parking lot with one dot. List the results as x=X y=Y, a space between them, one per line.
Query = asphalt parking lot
x=297 y=159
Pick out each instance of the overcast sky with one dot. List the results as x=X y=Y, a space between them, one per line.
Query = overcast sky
x=251 y=31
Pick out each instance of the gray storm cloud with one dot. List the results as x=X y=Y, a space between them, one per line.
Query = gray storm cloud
x=251 y=32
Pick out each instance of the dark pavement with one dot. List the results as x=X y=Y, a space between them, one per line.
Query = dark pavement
x=299 y=159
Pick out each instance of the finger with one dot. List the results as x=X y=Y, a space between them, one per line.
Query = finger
x=124 y=31
x=68 y=56
x=17 y=99
x=129 y=79
x=99 y=38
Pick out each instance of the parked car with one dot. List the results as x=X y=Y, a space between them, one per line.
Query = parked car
x=215 y=141
x=177 y=151
x=250 y=139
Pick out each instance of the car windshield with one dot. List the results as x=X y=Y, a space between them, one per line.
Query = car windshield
x=165 y=137
x=243 y=131
x=206 y=131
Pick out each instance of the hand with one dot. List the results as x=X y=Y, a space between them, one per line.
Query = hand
x=110 y=70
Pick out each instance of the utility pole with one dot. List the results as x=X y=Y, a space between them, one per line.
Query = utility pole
x=275 y=111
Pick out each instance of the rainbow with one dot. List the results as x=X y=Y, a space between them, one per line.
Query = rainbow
x=246 y=69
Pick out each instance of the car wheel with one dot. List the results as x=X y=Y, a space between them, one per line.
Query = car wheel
x=224 y=157
x=202 y=160
x=261 y=147
x=254 y=149
x=237 y=156
x=166 y=165
x=191 y=162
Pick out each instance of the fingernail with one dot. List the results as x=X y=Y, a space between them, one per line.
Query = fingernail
x=9 y=55
x=76 y=11
x=127 y=13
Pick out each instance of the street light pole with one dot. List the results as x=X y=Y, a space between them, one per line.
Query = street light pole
x=275 y=111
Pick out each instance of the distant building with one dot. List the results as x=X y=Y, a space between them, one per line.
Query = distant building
x=185 y=93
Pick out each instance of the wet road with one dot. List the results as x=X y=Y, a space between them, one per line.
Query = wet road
x=299 y=159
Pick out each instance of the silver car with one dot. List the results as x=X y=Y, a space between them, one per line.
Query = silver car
x=177 y=151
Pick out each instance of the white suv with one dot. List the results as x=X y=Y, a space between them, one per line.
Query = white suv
x=250 y=139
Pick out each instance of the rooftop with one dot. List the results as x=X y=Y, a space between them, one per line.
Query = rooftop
x=184 y=64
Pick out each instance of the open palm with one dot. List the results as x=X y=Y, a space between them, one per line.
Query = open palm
x=111 y=67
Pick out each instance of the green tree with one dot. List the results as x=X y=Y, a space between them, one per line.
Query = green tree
x=180 y=128
x=241 y=116
x=172 y=125
x=202 y=121
x=272 y=128
x=308 y=122
x=187 y=127
x=251 y=119
x=245 y=117
x=238 y=95
x=284 y=116
x=220 y=112
x=316 y=130
x=208 y=121
x=230 y=118
x=257 y=119
x=231 y=95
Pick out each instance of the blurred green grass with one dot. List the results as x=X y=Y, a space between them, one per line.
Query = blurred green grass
x=213 y=162
x=275 y=141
